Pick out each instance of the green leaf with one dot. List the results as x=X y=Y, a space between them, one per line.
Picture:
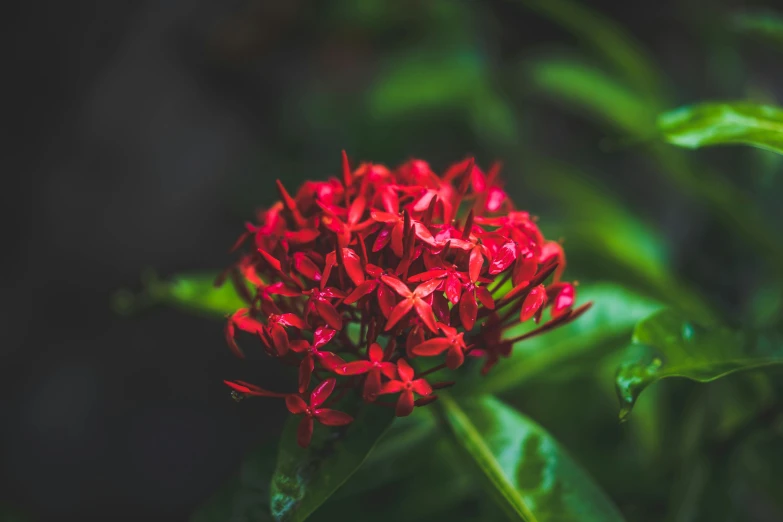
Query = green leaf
x=245 y=498
x=530 y=475
x=586 y=87
x=728 y=123
x=419 y=82
x=670 y=345
x=610 y=40
x=766 y=24
x=305 y=478
x=397 y=454
x=608 y=241
x=191 y=292
x=607 y=325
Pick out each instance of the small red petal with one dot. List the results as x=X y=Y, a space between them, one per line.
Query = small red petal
x=305 y=266
x=399 y=311
x=295 y=404
x=356 y=210
x=391 y=387
x=404 y=404
x=306 y=368
x=299 y=346
x=563 y=300
x=397 y=285
x=550 y=251
x=425 y=289
x=422 y=387
x=322 y=392
x=432 y=347
x=532 y=303
x=427 y=315
x=389 y=370
x=372 y=385
x=386 y=300
x=272 y=260
x=383 y=238
x=292 y=320
x=329 y=417
x=305 y=432
x=375 y=353
x=232 y=343
x=322 y=335
x=475 y=264
x=436 y=273
x=454 y=358
x=354 y=368
x=329 y=314
x=453 y=288
x=396 y=239
x=360 y=291
x=485 y=297
x=468 y=310
x=384 y=217
x=405 y=370
x=279 y=339
x=302 y=236
x=353 y=266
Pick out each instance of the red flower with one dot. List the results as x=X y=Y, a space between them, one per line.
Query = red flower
x=328 y=360
x=452 y=341
x=274 y=334
x=405 y=386
x=373 y=367
x=387 y=265
x=411 y=300
x=325 y=416
x=321 y=304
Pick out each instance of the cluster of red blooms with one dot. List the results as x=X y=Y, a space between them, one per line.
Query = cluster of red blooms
x=357 y=277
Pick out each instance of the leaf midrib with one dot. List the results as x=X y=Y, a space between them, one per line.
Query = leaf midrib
x=487 y=462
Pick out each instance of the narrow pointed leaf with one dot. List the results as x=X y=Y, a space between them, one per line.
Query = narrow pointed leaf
x=592 y=91
x=305 y=478
x=729 y=123
x=611 y=41
x=532 y=477
x=670 y=345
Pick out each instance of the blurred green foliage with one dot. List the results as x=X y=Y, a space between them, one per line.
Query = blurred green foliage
x=592 y=141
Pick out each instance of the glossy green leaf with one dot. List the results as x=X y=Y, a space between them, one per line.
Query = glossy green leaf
x=192 y=292
x=245 y=498
x=305 y=478
x=610 y=41
x=435 y=486
x=729 y=123
x=607 y=325
x=766 y=24
x=669 y=345
x=588 y=88
x=526 y=470
x=396 y=455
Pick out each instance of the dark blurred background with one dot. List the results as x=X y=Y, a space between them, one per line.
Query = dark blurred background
x=143 y=134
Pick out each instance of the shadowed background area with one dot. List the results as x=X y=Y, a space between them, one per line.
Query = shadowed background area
x=145 y=133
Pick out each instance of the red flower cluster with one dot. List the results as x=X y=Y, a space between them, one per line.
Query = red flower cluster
x=356 y=278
